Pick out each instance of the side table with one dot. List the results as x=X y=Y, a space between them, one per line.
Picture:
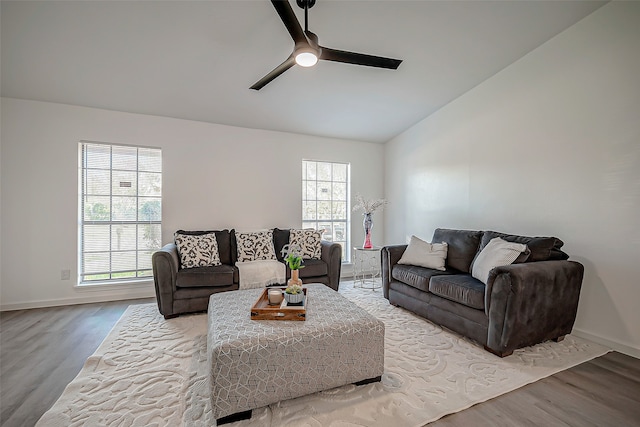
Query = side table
x=366 y=268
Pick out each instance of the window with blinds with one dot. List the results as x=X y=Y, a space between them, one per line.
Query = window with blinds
x=120 y=211
x=325 y=201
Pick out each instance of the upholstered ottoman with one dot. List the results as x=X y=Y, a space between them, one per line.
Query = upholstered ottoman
x=255 y=363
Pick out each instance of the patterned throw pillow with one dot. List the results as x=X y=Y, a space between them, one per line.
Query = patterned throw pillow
x=254 y=246
x=197 y=250
x=309 y=240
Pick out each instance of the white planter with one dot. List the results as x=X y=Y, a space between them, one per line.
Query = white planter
x=294 y=298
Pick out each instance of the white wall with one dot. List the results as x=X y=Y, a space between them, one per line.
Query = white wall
x=548 y=146
x=214 y=177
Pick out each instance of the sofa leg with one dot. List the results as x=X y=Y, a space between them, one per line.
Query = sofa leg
x=170 y=316
x=497 y=353
x=560 y=338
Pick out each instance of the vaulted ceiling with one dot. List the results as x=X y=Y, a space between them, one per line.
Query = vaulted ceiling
x=197 y=59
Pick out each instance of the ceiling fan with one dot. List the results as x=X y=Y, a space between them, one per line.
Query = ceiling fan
x=307 y=51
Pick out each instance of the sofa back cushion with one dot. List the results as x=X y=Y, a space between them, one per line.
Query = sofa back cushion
x=223 y=237
x=462 y=246
x=541 y=248
x=280 y=238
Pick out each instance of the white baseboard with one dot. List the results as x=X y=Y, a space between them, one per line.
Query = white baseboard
x=84 y=299
x=619 y=347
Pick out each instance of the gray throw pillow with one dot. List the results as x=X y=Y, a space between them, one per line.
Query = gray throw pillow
x=497 y=253
x=425 y=254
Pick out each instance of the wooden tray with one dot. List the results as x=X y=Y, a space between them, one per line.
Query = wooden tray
x=261 y=310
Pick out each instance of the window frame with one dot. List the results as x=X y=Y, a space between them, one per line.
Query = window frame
x=143 y=271
x=307 y=223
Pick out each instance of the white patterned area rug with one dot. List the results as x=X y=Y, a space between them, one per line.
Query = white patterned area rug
x=152 y=372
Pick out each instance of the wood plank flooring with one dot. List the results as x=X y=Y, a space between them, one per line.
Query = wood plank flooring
x=42 y=350
x=602 y=392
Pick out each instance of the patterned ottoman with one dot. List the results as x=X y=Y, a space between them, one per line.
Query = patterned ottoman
x=255 y=363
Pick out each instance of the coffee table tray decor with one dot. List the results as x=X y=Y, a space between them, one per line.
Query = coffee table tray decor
x=262 y=310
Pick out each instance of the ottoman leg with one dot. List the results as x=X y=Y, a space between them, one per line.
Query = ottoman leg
x=238 y=416
x=369 y=381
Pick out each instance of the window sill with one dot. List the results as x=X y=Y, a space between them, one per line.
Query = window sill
x=125 y=284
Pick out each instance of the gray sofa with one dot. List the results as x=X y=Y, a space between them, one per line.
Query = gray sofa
x=187 y=290
x=528 y=302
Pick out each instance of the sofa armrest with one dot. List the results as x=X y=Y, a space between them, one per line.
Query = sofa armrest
x=531 y=303
x=389 y=256
x=166 y=263
x=331 y=253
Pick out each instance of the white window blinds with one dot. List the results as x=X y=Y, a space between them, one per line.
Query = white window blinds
x=121 y=211
x=325 y=201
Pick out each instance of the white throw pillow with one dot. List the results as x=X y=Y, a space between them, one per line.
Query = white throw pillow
x=254 y=246
x=497 y=253
x=425 y=254
x=197 y=250
x=309 y=242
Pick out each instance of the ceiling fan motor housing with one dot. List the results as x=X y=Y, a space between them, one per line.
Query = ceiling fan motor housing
x=306 y=3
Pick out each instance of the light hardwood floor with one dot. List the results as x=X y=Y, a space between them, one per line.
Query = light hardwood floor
x=42 y=350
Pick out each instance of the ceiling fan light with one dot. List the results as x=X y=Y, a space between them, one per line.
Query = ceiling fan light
x=306 y=58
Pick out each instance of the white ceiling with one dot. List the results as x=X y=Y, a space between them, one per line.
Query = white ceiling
x=197 y=59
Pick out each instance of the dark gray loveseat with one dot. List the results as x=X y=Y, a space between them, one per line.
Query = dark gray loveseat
x=180 y=290
x=522 y=304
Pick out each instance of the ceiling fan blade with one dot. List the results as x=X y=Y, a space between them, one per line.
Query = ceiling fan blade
x=289 y=19
x=288 y=63
x=329 y=54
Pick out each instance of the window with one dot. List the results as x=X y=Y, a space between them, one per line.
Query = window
x=120 y=211
x=325 y=201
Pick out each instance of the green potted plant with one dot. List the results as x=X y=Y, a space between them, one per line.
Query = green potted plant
x=293 y=293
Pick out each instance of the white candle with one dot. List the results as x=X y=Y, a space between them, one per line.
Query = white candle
x=275 y=296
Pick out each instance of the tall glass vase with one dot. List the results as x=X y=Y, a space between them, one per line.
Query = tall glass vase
x=368 y=225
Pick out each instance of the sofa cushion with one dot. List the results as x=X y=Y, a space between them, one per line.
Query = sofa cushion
x=542 y=248
x=224 y=243
x=312 y=268
x=200 y=250
x=497 y=253
x=219 y=275
x=462 y=246
x=197 y=293
x=425 y=254
x=309 y=242
x=280 y=238
x=255 y=245
x=417 y=277
x=460 y=288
